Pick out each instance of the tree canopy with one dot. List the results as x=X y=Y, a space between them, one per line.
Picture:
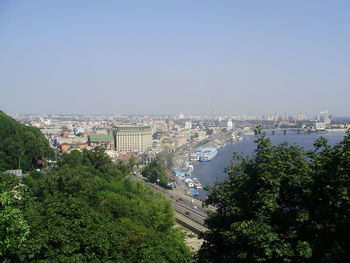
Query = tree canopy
x=87 y=210
x=21 y=146
x=284 y=204
x=157 y=170
x=13 y=227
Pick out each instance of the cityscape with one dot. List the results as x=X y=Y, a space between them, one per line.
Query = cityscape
x=174 y=131
x=123 y=135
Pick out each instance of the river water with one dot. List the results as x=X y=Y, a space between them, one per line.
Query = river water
x=213 y=171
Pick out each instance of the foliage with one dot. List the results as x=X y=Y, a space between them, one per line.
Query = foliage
x=167 y=158
x=13 y=227
x=282 y=205
x=155 y=172
x=127 y=167
x=21 y=146
x=87 y=210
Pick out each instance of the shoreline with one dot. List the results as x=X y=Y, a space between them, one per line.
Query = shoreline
x=184 y=168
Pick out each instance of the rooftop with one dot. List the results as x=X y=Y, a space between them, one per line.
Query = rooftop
x=101 y=137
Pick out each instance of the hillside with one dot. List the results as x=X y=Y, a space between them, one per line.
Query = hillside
x=21 y=146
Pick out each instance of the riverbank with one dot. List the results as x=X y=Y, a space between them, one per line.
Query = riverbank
x=184 y=168
x=211 y=172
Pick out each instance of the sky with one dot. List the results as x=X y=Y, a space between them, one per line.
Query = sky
x=167 y=57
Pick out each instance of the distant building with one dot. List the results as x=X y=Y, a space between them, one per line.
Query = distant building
x=229 y=124
x=17 y=172
x=167 y=143
x=79 y=147
x=79 y=130
x=132 y=138
x=180 y=140
x=104 y=140
x=320 y=125
x=64 y=147
x=188 y=125
x=65 y=134
x=325 y=117
x=112 y=154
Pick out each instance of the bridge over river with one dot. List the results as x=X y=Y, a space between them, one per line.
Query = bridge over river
x=294 y=130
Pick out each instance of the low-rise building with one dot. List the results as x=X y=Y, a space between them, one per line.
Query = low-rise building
x=64 y=147
x=103 y=140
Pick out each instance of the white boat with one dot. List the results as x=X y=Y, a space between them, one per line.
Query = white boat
x=208 y=154
x=195 y=156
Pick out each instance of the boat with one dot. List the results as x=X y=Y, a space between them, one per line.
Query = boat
x=195 y=156
x=194 y=193
x=197 y=184
x=208 y=154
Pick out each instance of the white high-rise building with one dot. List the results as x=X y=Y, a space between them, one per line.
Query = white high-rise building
x=229 y=124
x=188 y=125
x=325 y=117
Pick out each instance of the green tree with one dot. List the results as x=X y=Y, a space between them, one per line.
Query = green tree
x=13 y=227
x=21 y=146
x=156 y=172
x=282 y=205
x=88 y=211
x=167 y=158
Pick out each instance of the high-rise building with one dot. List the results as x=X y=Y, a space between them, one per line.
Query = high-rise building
x=132 y=138
x=229 y=124
x=188 y=125
x=325 y=117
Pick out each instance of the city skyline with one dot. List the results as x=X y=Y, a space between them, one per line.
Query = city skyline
x=190 y=57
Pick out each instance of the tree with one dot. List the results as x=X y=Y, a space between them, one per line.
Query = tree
x=167 y=158
x=88 y=211
x=13 y=227
x=21 y=146
x=156 y=173
x=282 y=205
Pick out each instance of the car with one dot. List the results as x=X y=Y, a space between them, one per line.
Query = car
x=187 y=213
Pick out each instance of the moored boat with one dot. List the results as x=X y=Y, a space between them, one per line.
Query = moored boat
x=208 y=154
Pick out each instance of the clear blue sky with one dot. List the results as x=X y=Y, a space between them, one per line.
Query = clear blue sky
x=188 y=56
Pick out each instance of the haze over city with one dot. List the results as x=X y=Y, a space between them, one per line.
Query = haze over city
x=162 y=57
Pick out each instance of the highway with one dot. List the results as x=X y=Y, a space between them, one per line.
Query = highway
x=189 y=224
x=188 y=212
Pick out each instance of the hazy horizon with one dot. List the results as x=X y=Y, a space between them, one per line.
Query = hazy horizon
x=170 y=57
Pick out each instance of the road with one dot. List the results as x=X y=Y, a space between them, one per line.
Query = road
x=188 y=211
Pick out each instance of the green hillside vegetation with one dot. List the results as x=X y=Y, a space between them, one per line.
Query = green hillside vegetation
x=89 y=211
x=284 y=204
x=86 y=209
x=21 y=146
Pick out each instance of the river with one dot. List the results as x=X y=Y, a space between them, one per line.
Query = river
x=210 y=172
